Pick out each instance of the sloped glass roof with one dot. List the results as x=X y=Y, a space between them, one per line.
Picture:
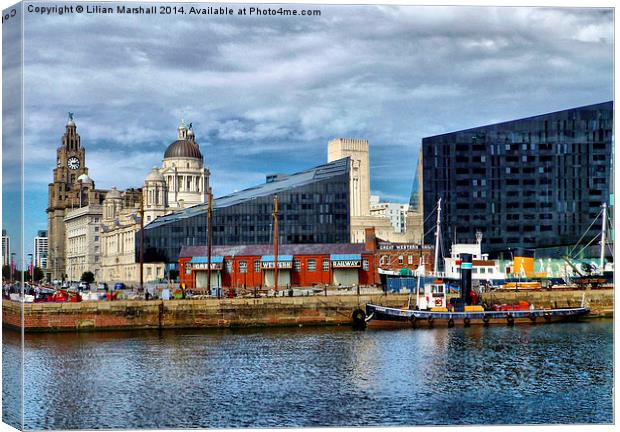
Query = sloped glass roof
x=302 y=178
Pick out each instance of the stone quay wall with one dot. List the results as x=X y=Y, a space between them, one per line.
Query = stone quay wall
x=210 y=313
x=259 y=312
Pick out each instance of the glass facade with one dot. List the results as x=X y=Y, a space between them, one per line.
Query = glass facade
x=313 y=208
x=534 y=182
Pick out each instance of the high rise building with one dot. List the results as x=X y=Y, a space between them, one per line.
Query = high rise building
x=6 y=248
x=534 y=182
x=40 y=249
x=395 y=212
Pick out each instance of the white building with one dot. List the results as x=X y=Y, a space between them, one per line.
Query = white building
x=83 y=241
x=6 y=248
x=395 y=212
x=483 y=268
x=40 y=249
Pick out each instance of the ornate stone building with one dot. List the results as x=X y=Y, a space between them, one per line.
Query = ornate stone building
x=183 y=181
x=71 y=188
x=183 y=170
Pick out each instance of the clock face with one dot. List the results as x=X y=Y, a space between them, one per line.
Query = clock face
x=73 y=163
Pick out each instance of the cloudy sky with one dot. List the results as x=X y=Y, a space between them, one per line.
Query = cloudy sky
x=265 y=94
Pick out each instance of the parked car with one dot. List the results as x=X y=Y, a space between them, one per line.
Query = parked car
x=102 y=286
x=119 y=286
x=84 y=285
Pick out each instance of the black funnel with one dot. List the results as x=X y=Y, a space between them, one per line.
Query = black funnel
x=466 y=264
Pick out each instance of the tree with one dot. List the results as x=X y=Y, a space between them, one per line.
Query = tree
x=38 y=274
x=88 y=277
x=6 y=272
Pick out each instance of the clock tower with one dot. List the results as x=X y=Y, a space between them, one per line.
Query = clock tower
x=67 y=191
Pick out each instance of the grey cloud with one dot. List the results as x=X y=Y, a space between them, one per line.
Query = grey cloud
x=251 y=86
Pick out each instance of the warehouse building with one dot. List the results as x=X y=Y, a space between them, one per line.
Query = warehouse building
x=299 y=265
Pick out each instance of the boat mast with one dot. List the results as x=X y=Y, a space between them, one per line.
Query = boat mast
x=602 y=264
x=437 y=233
x=275 y=244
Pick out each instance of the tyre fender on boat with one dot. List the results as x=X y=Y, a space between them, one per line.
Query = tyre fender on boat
x=467 y=322
x=510 y=320
x=547 y=316
x=485 y=320
x=413 y=320
x=450 y=322
x=532 y=317
x=430 y=320
x=359 y=318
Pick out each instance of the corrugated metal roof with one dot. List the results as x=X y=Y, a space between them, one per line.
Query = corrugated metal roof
x=302 y=178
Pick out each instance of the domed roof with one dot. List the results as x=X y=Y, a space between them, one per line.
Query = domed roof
x=155 y=175
x=183 y=149
x=85 y=179
x=113 y=193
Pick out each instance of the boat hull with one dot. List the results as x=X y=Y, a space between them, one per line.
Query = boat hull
x=385 y=317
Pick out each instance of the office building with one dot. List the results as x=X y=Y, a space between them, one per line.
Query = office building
x=535 y=182
x=40 y=249
x=6 y=248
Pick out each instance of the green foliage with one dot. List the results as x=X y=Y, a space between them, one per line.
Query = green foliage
x=88 y=277
x=6 y=272
x=38 y=274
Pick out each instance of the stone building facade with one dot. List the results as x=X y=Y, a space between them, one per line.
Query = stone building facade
x=181 y=182
x=71 y=188
x=83 y=241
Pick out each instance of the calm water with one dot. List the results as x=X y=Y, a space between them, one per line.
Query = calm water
x=313 y=377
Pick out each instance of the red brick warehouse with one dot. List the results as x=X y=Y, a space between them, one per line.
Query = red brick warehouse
x=299 y=265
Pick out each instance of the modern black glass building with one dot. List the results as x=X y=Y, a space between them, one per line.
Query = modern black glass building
x=534 y=182
x=313 y=208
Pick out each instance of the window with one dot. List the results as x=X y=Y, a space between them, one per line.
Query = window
x=365 y=264
x=400 y=259
x=296 y=265
x=243 y=266
x=228 y=266
x=96 y=229
x=410 y=259
x=312 y=264
x=256 y=266
x=383 y=260
x=325 y=265
x=96 y=238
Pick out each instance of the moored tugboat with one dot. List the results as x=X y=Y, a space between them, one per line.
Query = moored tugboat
x=434 y=310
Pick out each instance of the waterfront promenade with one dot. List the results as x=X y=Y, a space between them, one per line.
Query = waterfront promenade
x=249 y=312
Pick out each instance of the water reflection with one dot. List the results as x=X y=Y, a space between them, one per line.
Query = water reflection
x=316 y=377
